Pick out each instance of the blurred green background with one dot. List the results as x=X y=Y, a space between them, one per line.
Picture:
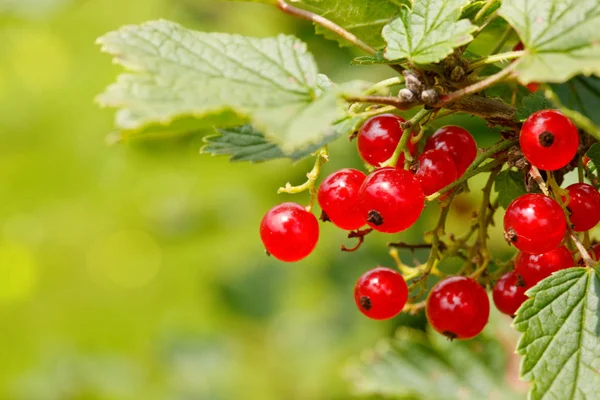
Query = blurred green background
x=135 y=271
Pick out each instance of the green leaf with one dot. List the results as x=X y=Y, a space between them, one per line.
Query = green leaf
x=561 y=336
x=593 y=153
x=427 y=366
x=561 y=37
x=245 y=143
x=470 y=10
x=509 y=185
x=581 y=94
x=376 y=58
x=183 y=80
x=531 y=104
x=365 y=19
x=428 y=32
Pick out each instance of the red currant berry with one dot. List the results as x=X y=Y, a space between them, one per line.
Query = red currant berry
x=381 y=293
x=391 y=200
x=533 y=86
x=549 y=140
x=457 y=142
x=583 y=206
x=508 y=295
x=289 y=232
x=535 y=224
x=436 y=170
x=532 y=268
x=458 y=307
x=378 y=138
x=338 y=198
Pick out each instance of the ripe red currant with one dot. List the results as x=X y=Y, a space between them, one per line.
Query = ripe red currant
x=289 y=232
x=391 y=200
x=508 y=295
x=549 y=140
x=381 y=293
x=535 y=224
x=458 y=307
x=583 y=206
x=378 y=138
x=436 y=170
x=457 y=142
x=533 y=86
x=532 y=268
x=338 y=198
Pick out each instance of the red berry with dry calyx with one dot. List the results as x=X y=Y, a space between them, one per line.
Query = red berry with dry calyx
x=509 y=293
x=381 y=293
x=532 y=268
x=378 y=138
x=391 y=200
x=458 y=307
x=289 y=232
x=549 y=140
x=534 y=224
x=435 y=170
x=457 y=143
x=583 y=206
x=338 y=198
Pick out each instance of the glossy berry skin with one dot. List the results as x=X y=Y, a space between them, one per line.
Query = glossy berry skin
x=378 y=138
x=458 y=307
x=584 y=206
x=289 y=232
x=391 y=200
x=381 y=293
x=338 y=198
x=457 y=143
x=549 y=140
x=532 y=268
x=435 y=171
x=507 y=294
x=535 y=224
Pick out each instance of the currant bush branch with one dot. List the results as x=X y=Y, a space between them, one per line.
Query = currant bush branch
x=322 y=156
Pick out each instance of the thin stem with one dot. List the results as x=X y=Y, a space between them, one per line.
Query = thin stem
x=387 y=100
x=474 y=167
x=402 y=147
x=310 y=184
x=325 y=23
x=477 y=87
x=396 y=80
x=484 y=252
x=376 y=111
x=496 y=58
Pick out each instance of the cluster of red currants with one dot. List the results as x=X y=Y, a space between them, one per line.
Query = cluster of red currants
x=391 y=200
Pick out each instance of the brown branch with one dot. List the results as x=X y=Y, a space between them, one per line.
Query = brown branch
x=388 y=100
x=494 y=111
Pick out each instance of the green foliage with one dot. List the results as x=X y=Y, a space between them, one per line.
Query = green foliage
x=407 y=365
x=182 y=80
x=561 y=336
x=581 y=94
x=531 y=104
x=560 y=36
x=428 y=32
x=509 y=185
x=365 y=19
x=594 y=154
x=471 y=10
